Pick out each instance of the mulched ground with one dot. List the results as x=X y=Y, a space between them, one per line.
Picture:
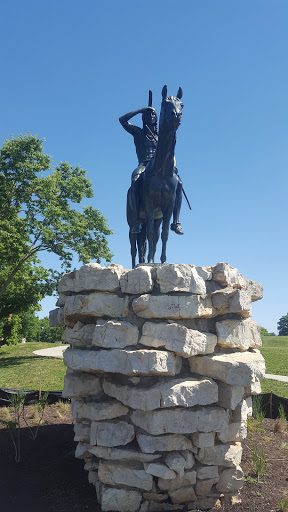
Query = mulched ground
x=48 y=478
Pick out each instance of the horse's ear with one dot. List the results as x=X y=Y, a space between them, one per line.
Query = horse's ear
x=150 y=99
x=164 y=92
x=179 y=93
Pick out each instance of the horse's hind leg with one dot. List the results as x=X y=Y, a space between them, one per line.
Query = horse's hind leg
x=150 y=235
x=142 y=244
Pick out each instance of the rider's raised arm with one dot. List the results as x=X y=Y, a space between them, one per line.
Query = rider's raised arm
x=130 y=128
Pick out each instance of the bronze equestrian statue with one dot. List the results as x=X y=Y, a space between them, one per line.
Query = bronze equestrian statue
x=156 y=190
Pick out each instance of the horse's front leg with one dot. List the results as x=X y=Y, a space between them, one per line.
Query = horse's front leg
x=150 y=236
x=132 y=238
x=165 y=232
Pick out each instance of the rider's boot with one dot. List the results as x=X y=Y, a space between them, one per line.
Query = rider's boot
x=176 y=226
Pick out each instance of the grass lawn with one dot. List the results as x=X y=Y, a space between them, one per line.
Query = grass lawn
x=277 y=387
x=275 y=352
x=20 y=368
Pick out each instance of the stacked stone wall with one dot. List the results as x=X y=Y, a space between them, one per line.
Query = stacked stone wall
x=161 y=366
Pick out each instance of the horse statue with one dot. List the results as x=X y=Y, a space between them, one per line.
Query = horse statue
x=157 y=185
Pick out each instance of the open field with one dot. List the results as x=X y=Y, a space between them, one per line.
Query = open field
x=275 y=353
x=20 y=368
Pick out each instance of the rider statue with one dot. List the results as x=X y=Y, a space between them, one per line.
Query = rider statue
x=145 y=140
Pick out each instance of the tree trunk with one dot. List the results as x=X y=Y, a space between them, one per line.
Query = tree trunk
x=14 y=272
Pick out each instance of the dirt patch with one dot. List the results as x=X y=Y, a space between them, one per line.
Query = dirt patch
x=48 y=478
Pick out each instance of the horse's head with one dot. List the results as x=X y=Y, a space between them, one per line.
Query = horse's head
x=171 y=110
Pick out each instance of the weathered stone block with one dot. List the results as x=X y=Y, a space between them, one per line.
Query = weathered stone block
x=238 y=368
x=97 y=411
x=82 y=451
x=203 y=487
x=79 y=335
x=173 y=306
x=231 y=433
x=105 y=433
x=91 y=277
x=138 y=280
x=178 y=462
x=226 y=275
x=183 y=494
x=240 y=334
x=163 y=443
x=229 y=300
x=118 y=454
x=254 y=389
x=82 y=432
x=95 y=305
x=229 y=396
x=127 y=362
x=121 y=474
x=189 y=478
x=231 y=480
x=119 y=500
x=221 y=455
x=203 y=439
x=207 y=472
x=182 y=278
x=80 y=384
x=55 y=318
x=243 y=410
x=115 y=334
x=181 y=421
x=177 y=338
x=93 y=477
x=185 y=392
x=160 y=470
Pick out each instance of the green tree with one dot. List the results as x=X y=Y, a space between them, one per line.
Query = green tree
x=282 y=326
x=264 y=332
x=48 y=334
x=37 y=214
x=27 y=325
x=10 y=330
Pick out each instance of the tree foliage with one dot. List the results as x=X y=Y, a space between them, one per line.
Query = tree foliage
x=282 y=326
x=27 y=325
x=38 y=214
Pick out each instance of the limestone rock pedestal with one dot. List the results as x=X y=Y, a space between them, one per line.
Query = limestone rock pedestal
x=161 y=364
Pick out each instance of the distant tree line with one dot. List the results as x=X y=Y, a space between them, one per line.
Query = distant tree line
x=28 y=326
x=282 y=327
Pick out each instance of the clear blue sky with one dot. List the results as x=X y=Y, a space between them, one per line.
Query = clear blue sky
x=69 y=69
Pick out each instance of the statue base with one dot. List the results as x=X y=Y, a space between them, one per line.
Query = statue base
x=160 y=372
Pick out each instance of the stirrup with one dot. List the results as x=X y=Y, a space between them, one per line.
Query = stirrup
x=177 y=228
